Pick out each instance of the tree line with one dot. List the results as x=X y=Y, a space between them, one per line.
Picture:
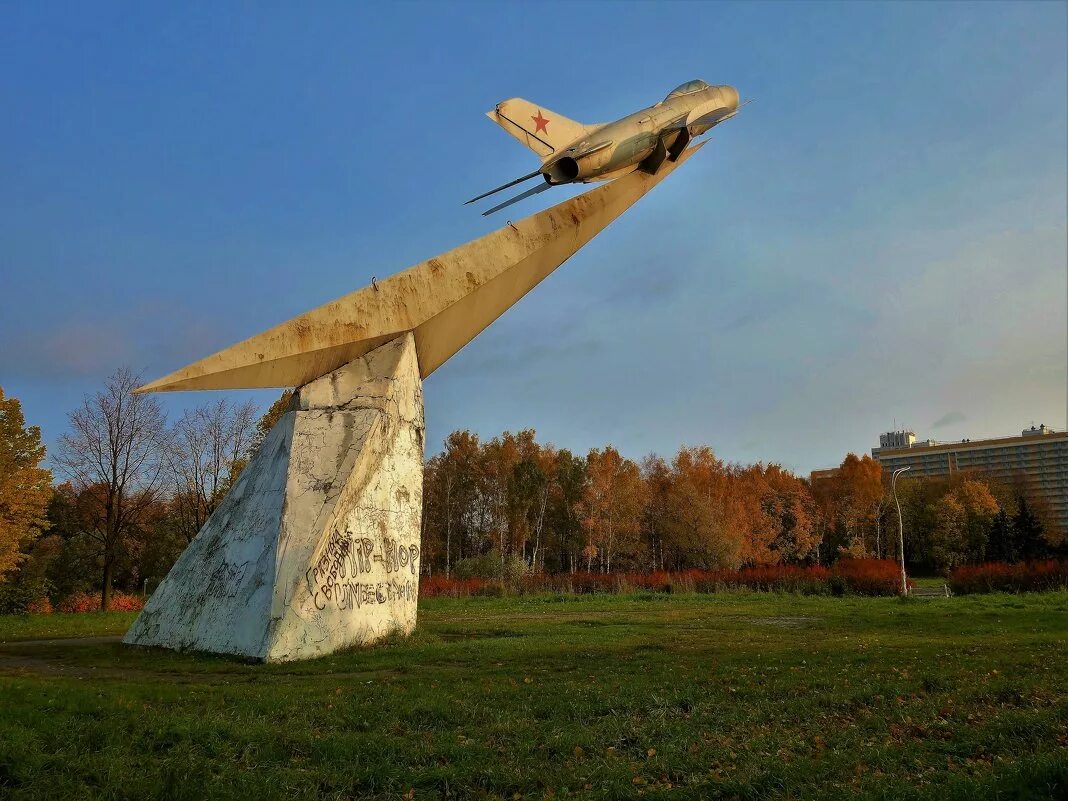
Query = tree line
x=557 y=511
x=126 y=491
x=125 y=494
x=543 y=509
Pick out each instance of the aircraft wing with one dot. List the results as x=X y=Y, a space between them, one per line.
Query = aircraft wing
x=708 y=115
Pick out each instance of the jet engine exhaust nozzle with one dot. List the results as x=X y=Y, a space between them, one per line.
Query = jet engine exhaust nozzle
x=562 y=171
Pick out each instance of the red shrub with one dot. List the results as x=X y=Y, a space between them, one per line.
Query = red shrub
x=589 y=583
x=80 y=602
x=657 y=581
x=1003 y=577
x=90 y=602
x=42 y=606
x=124 y=602
x=860 y=576
x=442 y=587
x=809 y=580
x=536 y=583
x=868 y=576
x=433 y=586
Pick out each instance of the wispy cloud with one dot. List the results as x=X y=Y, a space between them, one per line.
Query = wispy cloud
x=948 y=419
x=513 y=356
x=145 y=339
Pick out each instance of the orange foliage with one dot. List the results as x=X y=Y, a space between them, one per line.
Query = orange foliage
x=702 y=512
x=869 y=576
x=86 y=602
x=42 y=606
x=779 y=521
x=1042 y=576
x=25 y=486
x=611 y=508
x=562 y=513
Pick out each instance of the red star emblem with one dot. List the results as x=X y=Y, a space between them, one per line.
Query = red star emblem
x=540 y=123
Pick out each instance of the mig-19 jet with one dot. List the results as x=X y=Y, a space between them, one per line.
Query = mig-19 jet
x=575 y=153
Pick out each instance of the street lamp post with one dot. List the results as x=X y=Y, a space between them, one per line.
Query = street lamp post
x=900 y=531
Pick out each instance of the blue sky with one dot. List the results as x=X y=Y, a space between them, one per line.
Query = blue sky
x=881 y=236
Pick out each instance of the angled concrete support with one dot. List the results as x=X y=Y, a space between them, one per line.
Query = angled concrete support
x=316 y=547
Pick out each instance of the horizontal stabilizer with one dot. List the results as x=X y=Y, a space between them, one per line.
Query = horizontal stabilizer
x=517 y=198
x=504 y=186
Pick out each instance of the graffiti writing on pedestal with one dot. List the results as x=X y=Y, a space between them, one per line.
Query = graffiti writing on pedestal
x=338 y=576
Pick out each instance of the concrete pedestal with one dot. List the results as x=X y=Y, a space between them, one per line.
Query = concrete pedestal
x=316 y=547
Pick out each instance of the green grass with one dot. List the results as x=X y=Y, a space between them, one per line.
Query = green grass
x=45 y=627
x=724 y=696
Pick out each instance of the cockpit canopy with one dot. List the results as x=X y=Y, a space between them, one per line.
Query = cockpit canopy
x=687 y=88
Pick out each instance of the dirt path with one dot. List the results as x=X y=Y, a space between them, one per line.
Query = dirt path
x=30 y=658
x=18 y=657
x=16 y=644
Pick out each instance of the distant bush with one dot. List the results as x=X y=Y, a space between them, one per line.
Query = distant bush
x=1043 y=576
x=852 y=576
x=868 y=576
x=510 y=569
x=80 y=602
x=126 y=602
x=23 y=594
x=442 y=587
x=810 y=580
x=41 y=606
x=583 y=583
x=90 y=602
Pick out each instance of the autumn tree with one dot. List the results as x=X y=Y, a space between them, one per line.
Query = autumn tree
x=657 y=477
x=208 y=448
x=779 y=522
x=454 y=510
x=824 y=492
x=114 y=456
x=25 y=486
x=963 y=518
x=567 y=490
x=532 y=480
x=507 y=498
x=512 y=498
x=701 y=513
x=859 y=488
x=611 y=507
x=74 y=567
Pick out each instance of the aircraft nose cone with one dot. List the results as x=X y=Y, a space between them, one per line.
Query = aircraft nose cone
x=731 y=96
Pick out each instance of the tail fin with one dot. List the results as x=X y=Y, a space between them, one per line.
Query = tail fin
x=542 y=130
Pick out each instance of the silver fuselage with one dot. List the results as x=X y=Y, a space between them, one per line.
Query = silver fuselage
x=619 y=147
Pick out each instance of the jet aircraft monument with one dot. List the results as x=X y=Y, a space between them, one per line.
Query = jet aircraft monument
x=317 y=545
x=572 y=152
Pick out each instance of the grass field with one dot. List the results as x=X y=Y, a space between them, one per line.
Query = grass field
x=719 y=696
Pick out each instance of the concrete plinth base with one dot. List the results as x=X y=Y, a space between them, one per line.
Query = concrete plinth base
x=316 y=547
